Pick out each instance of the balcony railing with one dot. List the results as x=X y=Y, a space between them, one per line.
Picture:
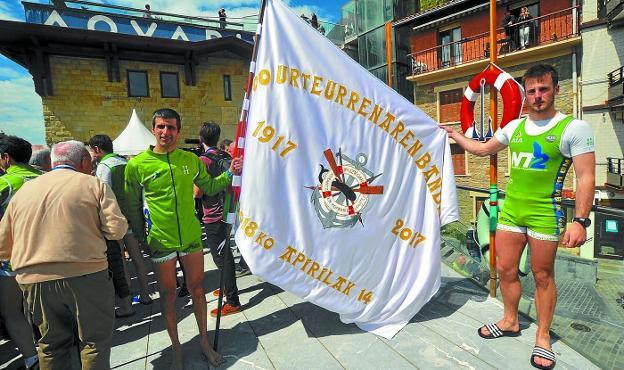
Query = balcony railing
x=615 y=10
x=547 y=29
x=616 y=87
x=615 y=172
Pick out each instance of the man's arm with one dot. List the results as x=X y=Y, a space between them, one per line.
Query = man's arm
x=113 y=224
x=134 y=202
x=207 y=184
x=585 y=169
x=6 y=237
x=210 y=185
x=473 y=146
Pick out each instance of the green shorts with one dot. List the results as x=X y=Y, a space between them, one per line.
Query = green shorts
x=161 y=254
x=545 y=225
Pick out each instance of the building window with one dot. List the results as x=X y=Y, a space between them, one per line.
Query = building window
x=137 y=84
x=450 y=105
x=459 y=159
x=169 y=85
x=451 y=51
x=227 y=88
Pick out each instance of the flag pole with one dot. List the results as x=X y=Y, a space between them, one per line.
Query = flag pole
x=231 y=197
x=389 y=51
x=494 y=157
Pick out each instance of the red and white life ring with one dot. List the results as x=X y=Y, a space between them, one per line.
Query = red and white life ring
x=510 y=90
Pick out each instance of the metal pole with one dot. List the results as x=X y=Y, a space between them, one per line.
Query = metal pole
x=493 y=157
x=231 y=198
x=389 y=51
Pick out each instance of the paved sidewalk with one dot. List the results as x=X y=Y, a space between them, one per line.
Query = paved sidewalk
x=277 y=330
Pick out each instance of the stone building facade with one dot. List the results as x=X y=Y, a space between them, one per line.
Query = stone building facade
x=85 y=103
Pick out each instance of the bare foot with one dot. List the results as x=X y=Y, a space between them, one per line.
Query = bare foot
x=210 y=355
x=503 y=325
x=544 y=342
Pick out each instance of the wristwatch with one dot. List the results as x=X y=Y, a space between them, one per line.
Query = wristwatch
x=585 y=222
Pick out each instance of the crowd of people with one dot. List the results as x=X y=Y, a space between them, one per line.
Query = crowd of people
x=68 y=215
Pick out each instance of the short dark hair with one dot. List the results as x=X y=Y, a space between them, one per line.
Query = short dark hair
x=103 y=142
x=19 y=149
x=209 y=133
x=167 y=113
x=224 y=144
x=540 y=70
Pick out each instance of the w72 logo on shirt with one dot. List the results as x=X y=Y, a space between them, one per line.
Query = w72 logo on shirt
x=536 y=160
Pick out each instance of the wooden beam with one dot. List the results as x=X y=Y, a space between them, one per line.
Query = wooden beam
x=116 y=68
x=109 y=62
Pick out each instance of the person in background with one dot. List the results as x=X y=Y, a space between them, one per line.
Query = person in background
x=216 y=162
x=314 y=21
x=54 y=233
x=40 y=158
x=222 y=18
x=242 y=269
x=224 y=145
x=510 y=29
x=14 y=154
x=111 y=170
x=525 y=27
x=162 y=179
x=147 y=12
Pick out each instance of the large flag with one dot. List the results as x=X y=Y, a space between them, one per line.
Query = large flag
x=345 y=184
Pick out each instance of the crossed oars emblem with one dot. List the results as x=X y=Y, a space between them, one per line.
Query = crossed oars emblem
x=339 y=186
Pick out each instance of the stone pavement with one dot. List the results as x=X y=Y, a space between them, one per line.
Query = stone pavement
x=277 y=330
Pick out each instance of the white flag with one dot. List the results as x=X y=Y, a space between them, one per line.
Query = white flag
x=345 y=184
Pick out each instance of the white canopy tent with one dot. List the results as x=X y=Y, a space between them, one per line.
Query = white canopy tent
x=134 y=139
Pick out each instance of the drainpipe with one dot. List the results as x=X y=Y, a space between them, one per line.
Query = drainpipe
x=575 y=94
x=574 y=71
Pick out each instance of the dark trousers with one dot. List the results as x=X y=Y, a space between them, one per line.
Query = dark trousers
x=77 y=309
x=215 y=239
x=116 y=267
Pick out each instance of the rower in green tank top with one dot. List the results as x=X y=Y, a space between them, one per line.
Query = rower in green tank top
x=538 y=169
x=542 y=147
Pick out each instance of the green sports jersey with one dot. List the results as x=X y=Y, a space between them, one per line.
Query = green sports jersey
x=12 y=180
x=159 y=196
x=538 y=169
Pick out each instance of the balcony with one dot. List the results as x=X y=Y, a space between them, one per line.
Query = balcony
x=615 y=11
x=615 y=172
x=616 y=90
x=546 y=33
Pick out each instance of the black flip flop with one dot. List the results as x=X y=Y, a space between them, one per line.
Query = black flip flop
x=546 y=355
x=496 y=332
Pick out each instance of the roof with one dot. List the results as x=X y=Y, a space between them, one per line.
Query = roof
x=438 y=11
x=416 y=16
x=15 y=37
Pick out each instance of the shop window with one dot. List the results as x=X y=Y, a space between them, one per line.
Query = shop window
x=450 y=105
x=169 y=85
x=459 y=159
x=137 y=84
